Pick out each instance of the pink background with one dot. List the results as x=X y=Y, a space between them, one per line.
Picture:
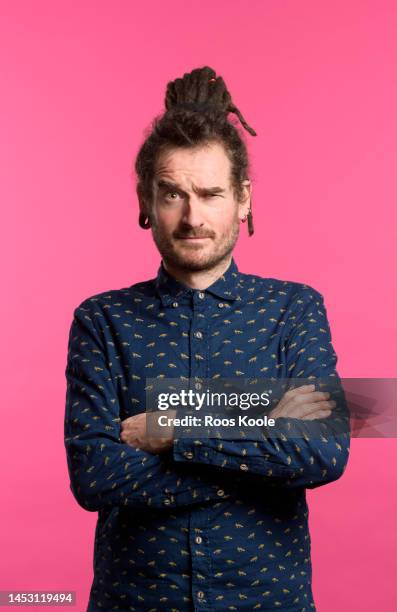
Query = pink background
x=80 y=82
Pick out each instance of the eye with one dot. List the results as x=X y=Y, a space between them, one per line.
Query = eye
x=211 y=196
x=169 y=195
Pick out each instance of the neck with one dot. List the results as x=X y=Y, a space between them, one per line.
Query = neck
x=198 y=279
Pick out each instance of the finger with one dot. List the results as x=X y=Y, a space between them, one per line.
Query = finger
x=291 y=393
x=289 y=403
x=299 y=390
x=321 y=414
x=299 y=412
x=313 y=396
x=130 y=422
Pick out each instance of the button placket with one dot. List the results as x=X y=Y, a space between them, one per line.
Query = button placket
x=200 y=558
x=199 y=336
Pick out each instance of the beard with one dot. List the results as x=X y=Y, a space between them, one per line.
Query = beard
x=191 y=257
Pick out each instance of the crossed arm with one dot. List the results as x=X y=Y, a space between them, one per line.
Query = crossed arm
x=307 y=454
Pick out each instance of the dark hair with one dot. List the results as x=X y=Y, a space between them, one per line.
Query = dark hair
x=197 y=108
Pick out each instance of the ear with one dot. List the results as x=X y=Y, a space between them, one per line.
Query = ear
x=142 y=203
x=245 y=199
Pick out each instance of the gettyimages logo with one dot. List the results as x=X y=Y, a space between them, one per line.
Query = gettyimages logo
x=197 y=400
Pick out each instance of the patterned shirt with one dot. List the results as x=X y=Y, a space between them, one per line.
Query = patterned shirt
x=208 y=525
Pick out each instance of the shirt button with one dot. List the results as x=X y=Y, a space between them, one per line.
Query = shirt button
x=201 y=296
x=198 y=385
x=189 y=455
x=167 y=501
x=244 y=467
x=220 y=492
x=175 y=304
x=198 y=539
x=220 y=305
x=198 y=334
x=200 y=594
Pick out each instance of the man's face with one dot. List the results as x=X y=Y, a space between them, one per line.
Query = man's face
x=195 y=217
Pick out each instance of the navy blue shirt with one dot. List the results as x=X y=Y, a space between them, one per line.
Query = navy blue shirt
x=208 y=525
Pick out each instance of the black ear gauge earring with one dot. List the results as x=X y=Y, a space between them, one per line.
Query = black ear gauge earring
x=144 y=221
x=248 y=217
x=250 y=223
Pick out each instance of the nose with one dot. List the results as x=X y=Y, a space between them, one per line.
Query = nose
x=191 y=215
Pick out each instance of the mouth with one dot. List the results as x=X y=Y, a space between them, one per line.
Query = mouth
x=193 y=238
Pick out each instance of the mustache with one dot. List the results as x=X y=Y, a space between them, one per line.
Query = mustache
x=193 y=235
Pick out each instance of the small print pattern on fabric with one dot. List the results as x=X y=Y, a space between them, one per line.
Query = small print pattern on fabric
x=207 y=525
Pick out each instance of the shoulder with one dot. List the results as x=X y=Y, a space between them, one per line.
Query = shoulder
x=113 y=300
x=111 y=312
x=287 y=291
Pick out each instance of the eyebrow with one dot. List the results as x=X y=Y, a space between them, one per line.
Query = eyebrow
x=162 y=184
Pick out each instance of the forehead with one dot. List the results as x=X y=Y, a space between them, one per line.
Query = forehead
x=206 y=165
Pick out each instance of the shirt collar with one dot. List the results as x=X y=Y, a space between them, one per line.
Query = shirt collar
x=225 y=287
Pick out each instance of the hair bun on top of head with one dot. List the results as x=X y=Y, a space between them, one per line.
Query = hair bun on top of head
x=201 y=90
x=195 y=106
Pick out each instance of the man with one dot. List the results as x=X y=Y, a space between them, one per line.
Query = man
x=198 y=524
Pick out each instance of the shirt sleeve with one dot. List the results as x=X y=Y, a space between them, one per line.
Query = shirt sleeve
x=103 y=470
x=317 y=452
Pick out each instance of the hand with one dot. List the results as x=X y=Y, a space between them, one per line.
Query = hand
x=304 y=403
x=134 y=433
